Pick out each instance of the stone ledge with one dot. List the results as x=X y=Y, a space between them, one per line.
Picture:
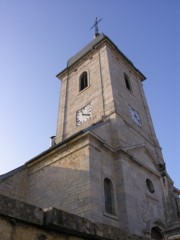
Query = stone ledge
x=68 y=223
x=19 y=210
x=108 y=232
x=56 y=220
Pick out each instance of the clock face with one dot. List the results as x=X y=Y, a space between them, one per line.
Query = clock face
x=135 y=116
x=83 y=114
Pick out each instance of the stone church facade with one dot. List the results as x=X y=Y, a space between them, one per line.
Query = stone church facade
x=105 y=164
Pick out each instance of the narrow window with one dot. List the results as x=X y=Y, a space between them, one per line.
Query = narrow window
x=127 y=82
x=83 y=81
x=109 y=196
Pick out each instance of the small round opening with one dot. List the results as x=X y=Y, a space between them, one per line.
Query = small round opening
x=150 y=185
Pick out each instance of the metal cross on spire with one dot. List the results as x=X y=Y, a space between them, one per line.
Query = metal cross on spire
x=96 y=27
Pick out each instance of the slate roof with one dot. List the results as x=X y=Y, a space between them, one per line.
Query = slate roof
x=85 y=50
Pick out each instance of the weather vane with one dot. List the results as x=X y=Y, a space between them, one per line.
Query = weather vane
x=95 y=26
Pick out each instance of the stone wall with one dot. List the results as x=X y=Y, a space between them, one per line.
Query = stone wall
x=21 y=221
x=61 y=179
x=71 y=99
x=14 y=183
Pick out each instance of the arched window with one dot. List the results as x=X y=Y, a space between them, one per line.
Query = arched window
x=109 y=196
x=83 y=81
x=156 y=233
x=127 y=82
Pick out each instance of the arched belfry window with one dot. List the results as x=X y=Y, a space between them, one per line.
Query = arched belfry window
x=109 y=196
x=127 y=82
x=83 y=81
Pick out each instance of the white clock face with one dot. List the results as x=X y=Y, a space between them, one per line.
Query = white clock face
x=83 y=114
x=135 y=116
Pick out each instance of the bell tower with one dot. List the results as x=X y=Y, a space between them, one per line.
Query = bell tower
x=101 y=84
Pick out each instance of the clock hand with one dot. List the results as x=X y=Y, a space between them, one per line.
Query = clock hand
x=85 y=114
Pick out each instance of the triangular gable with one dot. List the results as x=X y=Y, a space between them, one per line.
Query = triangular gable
x=143 y=155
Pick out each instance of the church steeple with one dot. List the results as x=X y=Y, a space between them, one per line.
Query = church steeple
x=90 y=77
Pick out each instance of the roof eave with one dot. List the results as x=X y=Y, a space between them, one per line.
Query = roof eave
x=90 y=47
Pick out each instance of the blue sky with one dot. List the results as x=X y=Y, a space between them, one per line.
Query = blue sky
x=37 y=38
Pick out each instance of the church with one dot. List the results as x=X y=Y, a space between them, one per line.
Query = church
x=105 y=163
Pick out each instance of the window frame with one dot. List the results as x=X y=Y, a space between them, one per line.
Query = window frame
x=109 y=196
x=83 y=81
x=127 y=82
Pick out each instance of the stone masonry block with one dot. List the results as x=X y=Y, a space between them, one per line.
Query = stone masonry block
x=20 y=210
x=63 y=221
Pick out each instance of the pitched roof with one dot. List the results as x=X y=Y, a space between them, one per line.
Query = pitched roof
x=89 y=47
